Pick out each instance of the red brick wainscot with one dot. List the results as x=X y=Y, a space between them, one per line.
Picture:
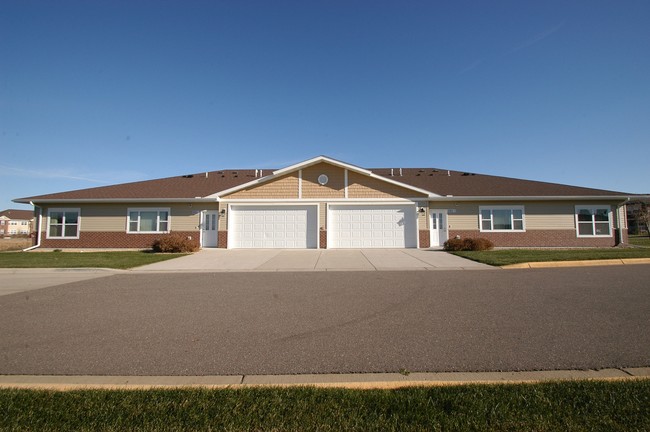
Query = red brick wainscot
x=537 y=238
x=322 y=239
x=222 y=239
x=110 y=240
x=425 y=238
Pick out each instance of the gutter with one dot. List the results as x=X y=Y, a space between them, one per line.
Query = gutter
x=40 y=228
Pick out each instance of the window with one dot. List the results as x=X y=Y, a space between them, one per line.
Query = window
x=501 y=218
x=593 y=221
x=63 y=223
x=148 y=220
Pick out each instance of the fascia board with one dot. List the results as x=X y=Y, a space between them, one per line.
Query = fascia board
x=115 y=200
x=539 y=198
x=428 y=194
x=319 y=159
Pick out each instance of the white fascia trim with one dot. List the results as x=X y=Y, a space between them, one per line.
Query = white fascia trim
x=319 y=159
x=428 y=194
x=124 y=200
x=294 y=201
x=617 y=198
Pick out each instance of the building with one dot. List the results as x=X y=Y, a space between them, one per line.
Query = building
x=326 y=203
x=16 y=222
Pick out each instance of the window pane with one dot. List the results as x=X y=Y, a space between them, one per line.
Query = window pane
x=71 y=230
x=163 y=226
x=71 y=217
x=133 y=216
x=133 y=226
x=56 y=230
x=486 y=225
x=434 y=222
x=164 y=216
x=602 y=228
x=585 y=229
x=56 y=217
x=148 y=221
x=517 y=214
x=501 y=220
x=518 y=225
x=485 y=214
x=601 y=215
x=584 y=215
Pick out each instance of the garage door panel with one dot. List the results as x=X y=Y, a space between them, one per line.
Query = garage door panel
x=372 y=226
x=273 y=227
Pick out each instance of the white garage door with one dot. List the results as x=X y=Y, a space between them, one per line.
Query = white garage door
x=273 y=227
x=372 y=226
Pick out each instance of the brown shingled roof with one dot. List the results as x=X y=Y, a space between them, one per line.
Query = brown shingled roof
x=438 y=181
x=457 y=183
x=17 y=214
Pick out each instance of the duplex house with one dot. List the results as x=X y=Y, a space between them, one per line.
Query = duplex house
x=326 y=203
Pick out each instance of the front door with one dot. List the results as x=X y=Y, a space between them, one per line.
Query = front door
x=439 y=234
x=209 y=228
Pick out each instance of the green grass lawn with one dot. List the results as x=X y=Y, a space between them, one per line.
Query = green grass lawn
x=115 y=260
x=560 y=406
x=640 y=240
x=514 y=256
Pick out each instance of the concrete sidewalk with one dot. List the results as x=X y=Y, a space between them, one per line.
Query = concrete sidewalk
x=224 y=260
x=356 y=381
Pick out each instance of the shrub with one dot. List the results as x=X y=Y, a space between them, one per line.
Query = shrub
x=468 y=244
x=174 y=243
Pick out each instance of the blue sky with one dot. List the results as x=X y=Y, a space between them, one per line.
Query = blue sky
x=104 y=92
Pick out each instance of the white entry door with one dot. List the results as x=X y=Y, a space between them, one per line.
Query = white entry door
x=439 y=233
x=209 y=228
x=371 y=226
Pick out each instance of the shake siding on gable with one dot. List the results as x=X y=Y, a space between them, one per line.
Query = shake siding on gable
x=361 y=186
x=285 y=187
x=335 y=187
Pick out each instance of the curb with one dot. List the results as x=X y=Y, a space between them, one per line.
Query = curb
x=586 y=263
x=349 y=381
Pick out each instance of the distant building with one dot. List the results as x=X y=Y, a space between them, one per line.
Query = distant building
x=16 y=222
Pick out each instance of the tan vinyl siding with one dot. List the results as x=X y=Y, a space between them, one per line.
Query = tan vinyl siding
x=460 y=216
x=113 y=217
x=549 y=216
x=335 y=187
x=322 y=207
x=285 y=187
x=559 y=215
x=362 y=186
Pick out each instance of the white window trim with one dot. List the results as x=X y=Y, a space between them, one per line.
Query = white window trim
x=593 y=208
x=63 y=209
x=502 y=207
x=149 y=209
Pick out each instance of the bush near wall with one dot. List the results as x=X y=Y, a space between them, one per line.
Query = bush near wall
x=174 y=243
x=468 y=244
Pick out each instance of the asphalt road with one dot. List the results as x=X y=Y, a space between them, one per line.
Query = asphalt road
x=329 y=322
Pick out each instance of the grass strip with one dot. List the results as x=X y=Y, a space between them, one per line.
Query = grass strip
x=554 y=406
x=640 y=241
x=115 y=260
x=514 y=256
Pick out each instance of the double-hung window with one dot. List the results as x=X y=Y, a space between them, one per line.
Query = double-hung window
x=501 y=218
x=594 y=221
x=63 y=223
x=148 y=220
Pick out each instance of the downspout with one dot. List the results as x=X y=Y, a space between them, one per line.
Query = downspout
x=620 y=222
x=40 y=228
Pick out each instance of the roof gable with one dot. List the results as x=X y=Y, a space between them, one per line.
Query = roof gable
x=324 y=160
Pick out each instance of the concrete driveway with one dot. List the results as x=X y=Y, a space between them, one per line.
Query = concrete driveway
x=220 y=260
